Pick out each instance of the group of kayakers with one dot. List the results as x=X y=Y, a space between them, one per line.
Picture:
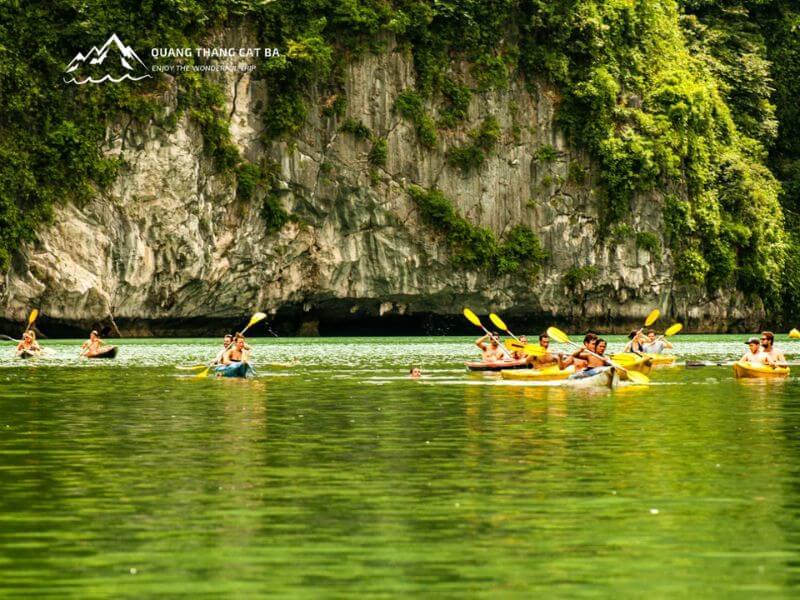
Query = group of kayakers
x=762 y=351
x=590 y=355
x=234 y=347
x=234 y=350
x=646 y=343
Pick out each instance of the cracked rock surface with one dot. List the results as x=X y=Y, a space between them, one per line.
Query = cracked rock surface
x=170 y=241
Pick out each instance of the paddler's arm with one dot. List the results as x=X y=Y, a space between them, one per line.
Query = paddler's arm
x=479 y=342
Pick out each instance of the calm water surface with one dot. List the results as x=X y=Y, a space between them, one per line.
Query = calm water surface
x=338 y=476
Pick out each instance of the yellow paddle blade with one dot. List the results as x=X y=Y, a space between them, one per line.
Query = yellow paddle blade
x=673 y=329
x=203 y=373
x=794 y=334
x=259 y=316
x=534 y=350
x=33 y=316
x=652 y=317
x=472 y=317
x=558 y=335
x=529 y=349
x=637 y=377
x=498 y=322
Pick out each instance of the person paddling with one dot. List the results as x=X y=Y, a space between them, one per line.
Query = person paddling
x=579 y=358
x=635 y=344
x=91 y=346
x=226 y=343
x=754 y=354
x=772 y=356
x=520 y=354
x=655 y=345
x=28 y=343
x=546 y=359
x=236 y=353
x=490 y=352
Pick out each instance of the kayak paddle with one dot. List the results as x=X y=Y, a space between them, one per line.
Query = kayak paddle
x=562 y=337
x=259 y=316
x=529 y=349
x=498 y=322
x=673 y=330
x=473 y=318
x=32 y=318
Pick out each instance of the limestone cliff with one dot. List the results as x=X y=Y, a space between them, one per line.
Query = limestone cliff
x=170 y=249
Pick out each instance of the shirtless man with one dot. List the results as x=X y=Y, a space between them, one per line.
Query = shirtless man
x=236 y=353
x=772 y=356
x=754 y=355
x=546 y=359
x=579 y=357
x=490 y=352
x=92 y=345
x=226 y=343
x=655 y=345
x=520 y=354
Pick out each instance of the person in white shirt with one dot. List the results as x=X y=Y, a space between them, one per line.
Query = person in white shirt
x=655 y=345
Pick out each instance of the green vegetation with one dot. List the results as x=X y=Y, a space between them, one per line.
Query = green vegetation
x=357 y=128
x=648 y=241
x=410 y=106
x=547 y=154
x=378 y=152
x=483 y=141
x=273 y=214
x=457 y=99
x=477 y=247
x=579 y=277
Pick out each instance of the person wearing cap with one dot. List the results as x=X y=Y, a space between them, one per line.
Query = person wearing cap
x=92 y=346
x=772 y=356
x=754 y=355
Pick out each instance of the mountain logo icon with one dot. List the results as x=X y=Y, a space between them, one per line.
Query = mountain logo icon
x=113 y=61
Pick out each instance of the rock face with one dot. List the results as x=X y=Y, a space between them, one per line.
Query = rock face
x=170 y=249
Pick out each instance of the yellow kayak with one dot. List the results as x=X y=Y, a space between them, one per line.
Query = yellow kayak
x=551 y=373
x=744 y=370
x=642 y=364
x=794 y=334
x=626 y=358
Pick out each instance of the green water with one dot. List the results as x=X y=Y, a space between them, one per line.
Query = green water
x=341 y=477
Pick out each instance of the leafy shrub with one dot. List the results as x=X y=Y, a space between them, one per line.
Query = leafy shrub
x=546 y=154
x=577 y=278
x=649 y=242
x=520 y=251
x=357 y=128
x=273 y=214
x=691 y=267
x=248 y=177
x=483 y=140
x=410 y=106
x=457 y=103
x=477 y=247
x=378 y=152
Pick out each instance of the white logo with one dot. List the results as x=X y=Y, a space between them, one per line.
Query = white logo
x=90 y=68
